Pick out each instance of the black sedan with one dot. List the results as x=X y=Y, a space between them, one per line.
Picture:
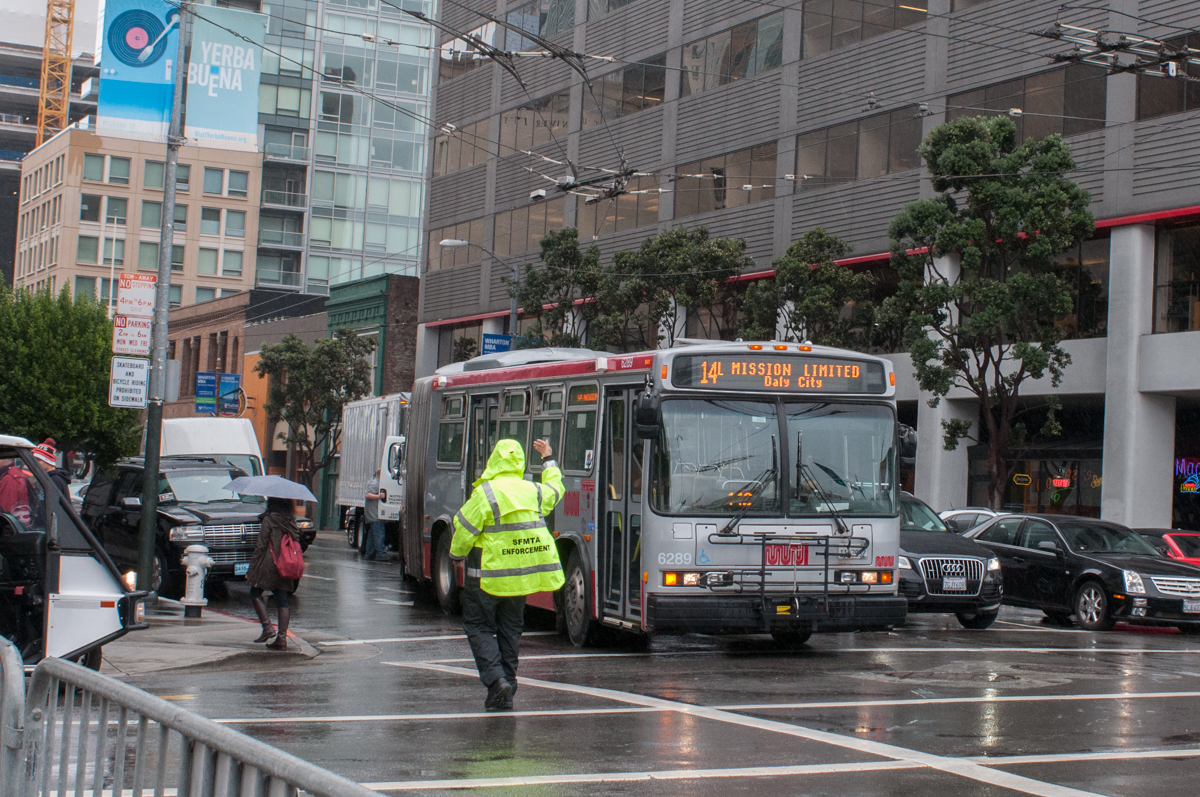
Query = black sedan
x=1101 y=572
x=943 y=573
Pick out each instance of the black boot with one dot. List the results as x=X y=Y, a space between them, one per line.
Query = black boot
x=280 y=642
x=498 y=694
x=260 y=608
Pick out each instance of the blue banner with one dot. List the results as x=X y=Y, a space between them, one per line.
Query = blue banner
x=138 y=45
x=206 y=392
x=228 y=403
x=495 y=343
x=223 y=70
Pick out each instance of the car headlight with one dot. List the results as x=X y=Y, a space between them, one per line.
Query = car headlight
x=993 y=564
x=304 y=524
x=1133 y=583
x=903 y=563
x=187 y=534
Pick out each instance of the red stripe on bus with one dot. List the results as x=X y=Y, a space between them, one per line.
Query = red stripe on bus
x=537 y=371
x=541 y=600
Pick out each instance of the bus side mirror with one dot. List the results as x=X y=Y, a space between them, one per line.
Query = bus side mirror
x=647 y=414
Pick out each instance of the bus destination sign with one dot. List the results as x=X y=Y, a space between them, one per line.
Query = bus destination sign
x=798 y=373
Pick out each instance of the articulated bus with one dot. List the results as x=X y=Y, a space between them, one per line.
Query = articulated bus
x=714 y=487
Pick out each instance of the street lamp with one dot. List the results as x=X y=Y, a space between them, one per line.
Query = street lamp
x=458 y=243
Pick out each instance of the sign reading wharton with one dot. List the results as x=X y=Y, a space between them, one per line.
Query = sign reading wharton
x=222 y=96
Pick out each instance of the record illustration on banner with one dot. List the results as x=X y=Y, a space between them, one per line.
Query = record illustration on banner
x=138 y=38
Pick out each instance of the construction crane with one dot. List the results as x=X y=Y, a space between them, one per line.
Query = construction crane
x=54 y=104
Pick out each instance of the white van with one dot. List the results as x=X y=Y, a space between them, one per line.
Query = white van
x=227 y=440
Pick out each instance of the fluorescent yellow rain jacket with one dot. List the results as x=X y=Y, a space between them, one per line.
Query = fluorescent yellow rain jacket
x=505 y=518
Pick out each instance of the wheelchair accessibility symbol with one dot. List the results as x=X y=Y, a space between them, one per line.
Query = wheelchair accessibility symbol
x=703 y=559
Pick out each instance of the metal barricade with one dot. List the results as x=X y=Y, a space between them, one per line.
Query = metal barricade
x=88 y=735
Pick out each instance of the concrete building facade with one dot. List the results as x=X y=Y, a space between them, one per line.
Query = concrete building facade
x=765 y=120
x=91 y=207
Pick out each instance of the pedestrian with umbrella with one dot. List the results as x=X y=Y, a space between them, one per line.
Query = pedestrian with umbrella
x=277 y=561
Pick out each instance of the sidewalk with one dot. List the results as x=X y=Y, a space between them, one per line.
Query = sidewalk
x=173 y=641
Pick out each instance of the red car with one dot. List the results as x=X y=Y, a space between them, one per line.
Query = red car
x=1175 y=543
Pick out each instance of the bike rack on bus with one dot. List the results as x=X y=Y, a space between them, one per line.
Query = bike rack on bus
x=743 y=580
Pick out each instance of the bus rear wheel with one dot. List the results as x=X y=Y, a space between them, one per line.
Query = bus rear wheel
x=445 y=576
x=790 y=639
x=580 y=625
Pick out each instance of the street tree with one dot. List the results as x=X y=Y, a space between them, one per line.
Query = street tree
x=309 y=386
x=55 y=361
x=979 y=290
x=559 y=296
x=811 y=297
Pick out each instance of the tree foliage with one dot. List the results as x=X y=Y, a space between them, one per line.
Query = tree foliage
x=560 y=296
x=309 y=386
x=979 y=289
x=55 y=361
x=811 y=297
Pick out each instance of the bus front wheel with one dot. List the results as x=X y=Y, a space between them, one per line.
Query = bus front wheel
x=579 y=622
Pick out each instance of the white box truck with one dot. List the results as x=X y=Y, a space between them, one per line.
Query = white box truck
x=372 y=439
x=228 y=440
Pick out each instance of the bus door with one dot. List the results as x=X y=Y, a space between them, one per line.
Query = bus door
x=485 y=418
x=620 y=547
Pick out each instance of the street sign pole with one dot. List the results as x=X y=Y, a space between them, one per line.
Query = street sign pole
x=162 y=301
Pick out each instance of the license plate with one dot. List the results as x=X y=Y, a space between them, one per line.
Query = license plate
x=241 y=568
x=1191 y=607
x=954 y=584
x=787 y=555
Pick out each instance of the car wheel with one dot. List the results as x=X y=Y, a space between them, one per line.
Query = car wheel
x=92 y=659
x=1058 y=618
x=1091 y=607
x=576 y=603
x=362 y=536
x=977 y=620
x=445 y=576
x=352 y=530
x=163 y=581
x=790 y=639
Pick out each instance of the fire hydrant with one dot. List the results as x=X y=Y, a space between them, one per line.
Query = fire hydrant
x=197 y=561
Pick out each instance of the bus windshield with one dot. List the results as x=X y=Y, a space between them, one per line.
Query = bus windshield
x=847 y=452
x=714 y=458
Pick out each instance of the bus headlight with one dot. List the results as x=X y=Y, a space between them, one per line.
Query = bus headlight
x=993 y=564
x=682 y=579
x=904 y=563
x=864 y=577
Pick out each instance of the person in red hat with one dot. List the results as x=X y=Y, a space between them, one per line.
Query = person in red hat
x=47 y=457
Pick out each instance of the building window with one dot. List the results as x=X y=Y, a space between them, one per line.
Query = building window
x=285 y=100
x=457 y=56
x=833 y=24
x=348 y=109
x=177 y=257
x=231 y=263
x=441 y=257
x=206 y=263
x=147 y=256
x=175 y=297
x=625 y=212
x=600 y=8
x=1085 y=269
x=871 y=147
x=89 y=207
x=183 y=176
x=522 y=229
x=118 y=170
x=235 y=223
x=1177 y=278
x=746 y=51
x=114 y=252
x=462 y=148
x=93 y=167
x=1161 y=95
x=721 y=182
x=239 y=183
x=205 y=294
x=1069 y=100
x=214 y=180
x=86 y=286
x=180 y=218
x=117 y=210
x=87 y=249
x=543 y=18
x=626 y=91
x=152 y=174
x=210 y=221
x=151 y=214
x=535 y=124
x=959 y=5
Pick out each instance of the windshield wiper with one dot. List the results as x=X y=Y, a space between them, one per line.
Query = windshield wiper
x=801 y=469
x=720 y=463
x=752 y=489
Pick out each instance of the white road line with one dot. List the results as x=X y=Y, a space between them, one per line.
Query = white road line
x=961 y=767
x=1043 y=628
x=401 y=591
x=345 y=642
x=391 y=602
x=934 y=701
x=1112 y=755
x=426 y=717
x=668 y=774
x=319 y=578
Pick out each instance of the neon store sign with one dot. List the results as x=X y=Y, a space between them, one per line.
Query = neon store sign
x=1188 y=469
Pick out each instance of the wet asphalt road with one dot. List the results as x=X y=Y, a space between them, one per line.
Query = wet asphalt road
x=1023 y=708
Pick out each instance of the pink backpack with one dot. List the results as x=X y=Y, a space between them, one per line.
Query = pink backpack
x=290 y=559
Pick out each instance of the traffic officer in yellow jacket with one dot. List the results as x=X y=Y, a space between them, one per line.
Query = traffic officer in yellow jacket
x=501 y=533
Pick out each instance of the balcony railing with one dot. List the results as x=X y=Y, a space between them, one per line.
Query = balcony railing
x=289 y=199
x=271 y=276
x=294 y=240
x=285 y=152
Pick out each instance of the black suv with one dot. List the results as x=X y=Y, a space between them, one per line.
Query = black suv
x=943 y=573
x=193 y=508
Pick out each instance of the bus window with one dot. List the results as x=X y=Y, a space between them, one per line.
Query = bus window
x=616 y=449
x=846 y=451
x=450 y=431
x=516 y=403
x=579 y=447
x=550 y=401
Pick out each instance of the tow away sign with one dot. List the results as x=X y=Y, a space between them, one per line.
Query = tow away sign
x=135 y=294
x=131 y=335
x=129 y=384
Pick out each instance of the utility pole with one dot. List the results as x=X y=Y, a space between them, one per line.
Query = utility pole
x=148 y=529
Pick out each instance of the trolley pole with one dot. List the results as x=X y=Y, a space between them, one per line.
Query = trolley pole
x=148 y=528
